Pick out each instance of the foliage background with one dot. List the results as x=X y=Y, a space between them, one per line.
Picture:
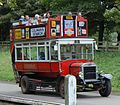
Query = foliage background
x=98 y=13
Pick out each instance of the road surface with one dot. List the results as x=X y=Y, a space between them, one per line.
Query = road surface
x=83 y=98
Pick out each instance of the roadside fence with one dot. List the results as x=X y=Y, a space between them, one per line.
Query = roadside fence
x=4 y=46
x=104 y=45
x=109 y=46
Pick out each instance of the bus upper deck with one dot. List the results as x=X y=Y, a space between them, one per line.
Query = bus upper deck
x=61 y=26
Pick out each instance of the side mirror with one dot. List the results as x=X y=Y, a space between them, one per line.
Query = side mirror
x=95 y=45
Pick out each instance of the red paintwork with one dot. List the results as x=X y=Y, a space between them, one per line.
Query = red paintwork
x=11 y=47
x=45 y=69
x=51 y=69
x=69 y=66
x=75 y=68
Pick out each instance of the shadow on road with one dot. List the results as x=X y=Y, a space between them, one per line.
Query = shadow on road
x=89 y=96
x=83 y=95
x=47 y=93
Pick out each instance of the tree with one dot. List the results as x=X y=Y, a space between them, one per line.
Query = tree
x=13 y=9
x=16 y=8
x=92 y=9
x=113 y=16
x=4 y=19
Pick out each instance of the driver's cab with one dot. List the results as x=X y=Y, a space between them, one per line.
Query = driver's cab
x=72 y=49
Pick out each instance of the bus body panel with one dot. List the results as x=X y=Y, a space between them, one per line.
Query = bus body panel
x=67 y=66
x=46 y=69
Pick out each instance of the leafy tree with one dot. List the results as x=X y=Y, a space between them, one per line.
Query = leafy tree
x=4 y=19
x=113 y=16
x=13 y=9
x=92 y=9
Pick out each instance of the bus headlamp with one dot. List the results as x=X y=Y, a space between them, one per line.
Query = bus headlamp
x=81 y=74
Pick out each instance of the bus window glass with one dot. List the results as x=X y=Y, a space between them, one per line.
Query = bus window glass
x=66 y=52
x=19 y=53
x=76 y=51
x=33 y=53
x=86 y=51
x=41 y=53
x=89 y=51
x=26 y=53
x=54 y=53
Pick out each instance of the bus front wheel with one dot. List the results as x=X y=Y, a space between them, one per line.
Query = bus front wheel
x=106 y=89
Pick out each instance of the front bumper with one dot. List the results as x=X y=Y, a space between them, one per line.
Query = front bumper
x=92 y=81
x=89 y=85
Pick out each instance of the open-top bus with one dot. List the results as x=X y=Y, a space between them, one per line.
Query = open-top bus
x=44 y=53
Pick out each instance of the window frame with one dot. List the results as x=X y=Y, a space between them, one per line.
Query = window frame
x=29 y=45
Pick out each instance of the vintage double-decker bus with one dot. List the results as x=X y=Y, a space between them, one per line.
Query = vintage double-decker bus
x=45 y=52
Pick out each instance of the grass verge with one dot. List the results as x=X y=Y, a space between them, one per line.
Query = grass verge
x=109 y=62
x=6 y=72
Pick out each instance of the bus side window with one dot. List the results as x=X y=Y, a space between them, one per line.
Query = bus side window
x=41 y=56
x=33 y=53
x=54 y=53
x=41 y=53
x=26 y=53
x=19 y=53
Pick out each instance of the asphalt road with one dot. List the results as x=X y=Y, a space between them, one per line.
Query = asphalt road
x=83 y=98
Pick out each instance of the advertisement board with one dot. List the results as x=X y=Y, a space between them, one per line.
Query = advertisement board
x=69 y=26
x=18 y=34
x=37 y=31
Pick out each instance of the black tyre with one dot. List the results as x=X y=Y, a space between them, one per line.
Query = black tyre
x=61 y=89
x=25 y=85
x=106 y=89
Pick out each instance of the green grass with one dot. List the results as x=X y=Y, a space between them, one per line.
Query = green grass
x=108 y=62
x=6 y=72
